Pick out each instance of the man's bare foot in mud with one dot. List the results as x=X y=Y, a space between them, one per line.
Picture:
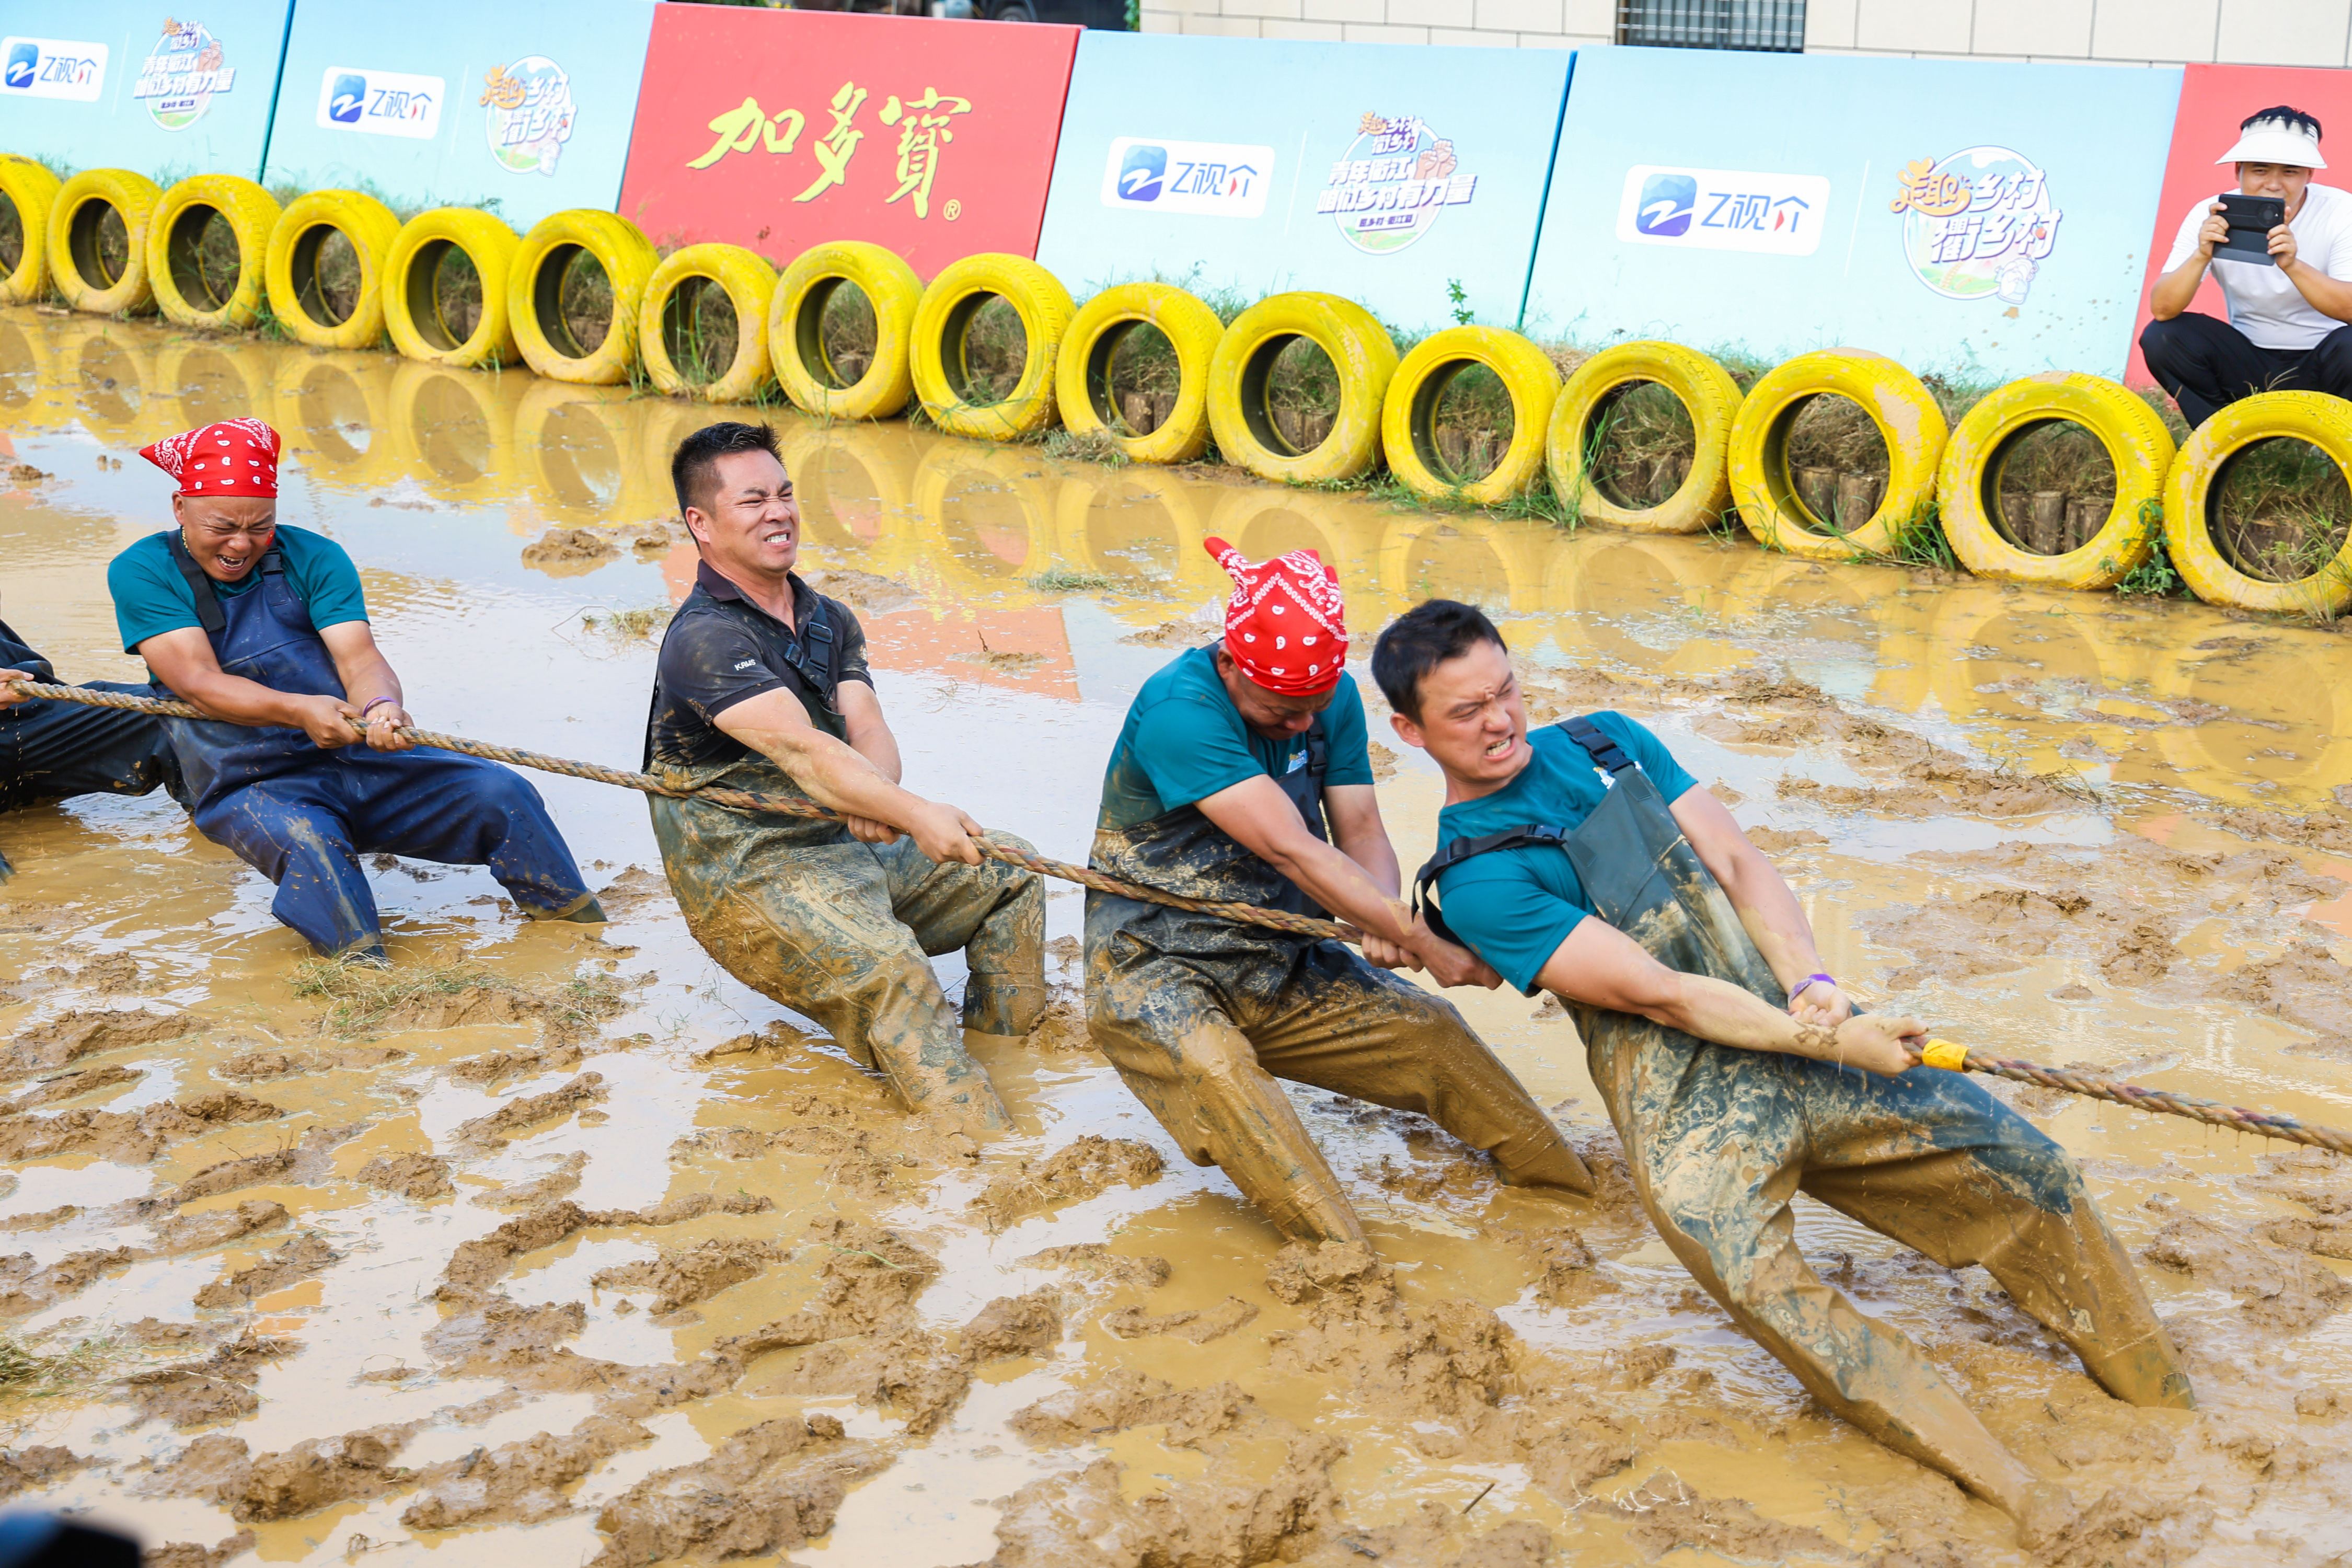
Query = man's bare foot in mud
x=2045 y=1512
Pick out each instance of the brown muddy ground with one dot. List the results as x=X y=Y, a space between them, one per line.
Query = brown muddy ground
x=576 y=1251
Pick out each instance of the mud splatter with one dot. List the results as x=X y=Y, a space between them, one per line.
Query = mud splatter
x=516 y=1483
x=681 y=1276
x=1093 y=1164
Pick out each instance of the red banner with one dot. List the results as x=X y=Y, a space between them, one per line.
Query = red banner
x=2213 y=98
x=780 y=129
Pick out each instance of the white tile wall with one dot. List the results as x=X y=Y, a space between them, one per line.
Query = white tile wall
x=2114 y=32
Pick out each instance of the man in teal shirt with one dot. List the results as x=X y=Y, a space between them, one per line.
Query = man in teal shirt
x=1242 y=774
x=1583 y=860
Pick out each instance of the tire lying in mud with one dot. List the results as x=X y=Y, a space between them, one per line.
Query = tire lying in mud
x=1968 y=481
x=32 y=190
x=1409 y=412
x=1082 y=373
x=796 y=348
x=1708 y=396
x=669 y=326
x=941 y=360
x=79 y=264
x=304 y=305
x=1908 y=421
x=535 y=280
x=187 y=290
x=1242 y=417
x=2191 y=489
x=414 y=309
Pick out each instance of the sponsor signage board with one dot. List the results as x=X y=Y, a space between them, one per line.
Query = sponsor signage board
x=1391 y=176
x=165 y=92
x=1960 y=217
x=2214 y=99
x=777 y=130
x=521 y=109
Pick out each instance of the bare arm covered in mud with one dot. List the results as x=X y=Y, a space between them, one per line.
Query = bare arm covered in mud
x=1776 y=923
x=847 y=778
x=183 y=660
x=1260 y=817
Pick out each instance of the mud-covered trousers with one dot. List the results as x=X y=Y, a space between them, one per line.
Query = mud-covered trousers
x=306 y=830
x=845 y=932
x=54 y=751
x=1202 y=1034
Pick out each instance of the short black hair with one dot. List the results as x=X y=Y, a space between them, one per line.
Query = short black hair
x=690 y=467
x=2296 y=118
x=1419 y=641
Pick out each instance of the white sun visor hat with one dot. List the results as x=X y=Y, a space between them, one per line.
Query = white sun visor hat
x=2276 y=142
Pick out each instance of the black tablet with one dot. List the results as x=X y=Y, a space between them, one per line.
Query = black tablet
x=2250 y=220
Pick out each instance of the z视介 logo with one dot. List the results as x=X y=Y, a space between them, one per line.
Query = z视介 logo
x=380 y=103
x=530 y=115
x=1199 y=179
x=180 y=75
x=1979 y=222
x=52 y=68
x=1723 y=209
x=1394 y=179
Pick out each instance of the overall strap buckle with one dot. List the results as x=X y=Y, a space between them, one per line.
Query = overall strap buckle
x=1608 y=758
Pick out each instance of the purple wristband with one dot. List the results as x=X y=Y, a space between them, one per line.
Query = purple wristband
x=1809 y=980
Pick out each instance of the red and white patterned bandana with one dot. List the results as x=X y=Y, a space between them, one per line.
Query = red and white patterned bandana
x=1285 y=624
x=233 y=457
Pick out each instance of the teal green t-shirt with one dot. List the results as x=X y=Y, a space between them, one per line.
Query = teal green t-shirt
x=1513 y=907
x=1184 y=740
x=151 y=597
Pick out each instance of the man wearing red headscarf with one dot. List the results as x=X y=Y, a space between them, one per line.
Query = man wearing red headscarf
x=1243 y=773
x=264 y=628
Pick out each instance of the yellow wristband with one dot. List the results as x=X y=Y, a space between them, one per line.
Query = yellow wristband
x=1949 y=1055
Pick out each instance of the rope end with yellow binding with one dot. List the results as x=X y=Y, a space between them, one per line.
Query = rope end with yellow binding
x=1948 y=1055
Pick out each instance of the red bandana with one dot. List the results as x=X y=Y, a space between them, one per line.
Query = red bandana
x=1285 y=624
x=233 y=457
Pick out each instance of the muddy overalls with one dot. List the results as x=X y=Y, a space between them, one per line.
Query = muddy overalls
x=844 y=931
x=54 y=751
x=302 y=814
x=1200 y=1016
x=1719 y=1139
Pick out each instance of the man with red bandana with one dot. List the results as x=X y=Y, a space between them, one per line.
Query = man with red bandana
x=1244 y=774
x=264 y=628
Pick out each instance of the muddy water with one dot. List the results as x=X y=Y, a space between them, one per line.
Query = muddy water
x=502 y=1283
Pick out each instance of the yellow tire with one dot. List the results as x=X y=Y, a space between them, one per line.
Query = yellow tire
x=535 y=286
x=1909 y=420
x=669 y=327
x=2326 y=587
x=1708 y=396
x=80 y=265
x=1409 y=412
x=803 y=366
x=191 y=289
x=414 y=311
x=1082 y=370
x=322 y=313
x=1968 y=482
x=32 y=190
x=1240 y=415
x=941 y=360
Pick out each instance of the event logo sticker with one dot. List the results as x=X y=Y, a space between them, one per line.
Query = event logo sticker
x=52 y=68
x=380 y=103
x=530 y=115
x=926 y=125
x=1397 y=176
x=1979 y=222
x=180 y=75
x=1202 y=179
x=1723 y=209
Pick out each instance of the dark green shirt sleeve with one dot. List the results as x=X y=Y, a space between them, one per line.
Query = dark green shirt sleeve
x=321 y=573
x=1507 y=910
x=1190 y=748
x=150 y=599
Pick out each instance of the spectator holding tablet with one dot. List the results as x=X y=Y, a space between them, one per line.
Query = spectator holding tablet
x=2281 y=247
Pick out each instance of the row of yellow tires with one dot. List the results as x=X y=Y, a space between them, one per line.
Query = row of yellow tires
x=1387 y=405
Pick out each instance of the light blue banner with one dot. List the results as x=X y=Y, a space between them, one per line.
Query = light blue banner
x=1409 y=179
x=165 y=92
x=521 y=108
x=1985 y=221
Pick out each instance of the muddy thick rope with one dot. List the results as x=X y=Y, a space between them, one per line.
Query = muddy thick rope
x=1943 y=1054
x=750 y=800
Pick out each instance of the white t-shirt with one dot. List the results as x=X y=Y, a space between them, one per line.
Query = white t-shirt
x=2264 y=303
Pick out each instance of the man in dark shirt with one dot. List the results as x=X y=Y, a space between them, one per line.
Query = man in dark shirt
x=50 y=751
x=762 y=684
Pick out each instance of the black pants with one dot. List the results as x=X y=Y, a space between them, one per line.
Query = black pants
x=2207 y=364
x=49 y=751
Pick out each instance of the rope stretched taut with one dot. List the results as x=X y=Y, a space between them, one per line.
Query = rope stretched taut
x=1943 y=1054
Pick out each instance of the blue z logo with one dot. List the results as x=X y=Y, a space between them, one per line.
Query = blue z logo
x=1142 y=172
x=344 y=104
x=1667 y=205
x=24 y=60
